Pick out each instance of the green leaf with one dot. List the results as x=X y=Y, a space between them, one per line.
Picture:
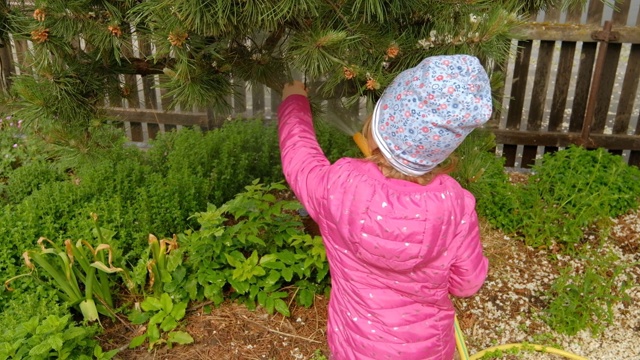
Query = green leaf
x=269 y=305
x=55 y=342
x=40 y=349
x=282 y=307
x=138 y=317
x=175 y=259
x=268 y=259
x=273 y=277
x=287 y=257
x=158 y=317
x=137 y=341
x=167 y=303
x=151 y=304
x=179 y=310
x=262 y=298
x=240 y=286
x=169 y=323
x=306 y=297
x=287 y=273
x=102 y=267
x=153 y=333
x=180 y=337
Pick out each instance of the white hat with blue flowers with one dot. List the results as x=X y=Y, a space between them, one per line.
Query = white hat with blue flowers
x=427 y=111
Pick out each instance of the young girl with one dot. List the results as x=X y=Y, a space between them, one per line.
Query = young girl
x=400 y=234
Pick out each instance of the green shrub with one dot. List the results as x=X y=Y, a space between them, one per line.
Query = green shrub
x=51 y=337
x=568 y=192
x=584 y=298
x=573 y=189
x=481 y=172
x=250 y=248
x=26 y=179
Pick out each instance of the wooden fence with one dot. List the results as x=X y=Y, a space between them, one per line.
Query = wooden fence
x=573 y=79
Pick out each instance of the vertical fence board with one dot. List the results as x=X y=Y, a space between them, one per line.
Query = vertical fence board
x=137 y=134
x=239 y=97
x=629 y=89
x=153 y=130
x=585 y=70
x=257 y=100
x=538 y=98
x=628 y=92
x=518 y=90
x=610 y=68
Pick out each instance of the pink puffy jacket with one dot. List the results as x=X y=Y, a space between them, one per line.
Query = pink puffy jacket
x=396 y=249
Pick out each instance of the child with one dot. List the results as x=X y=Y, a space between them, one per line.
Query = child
x=400 y=234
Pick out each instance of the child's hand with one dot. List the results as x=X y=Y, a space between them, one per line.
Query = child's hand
x=293 y=88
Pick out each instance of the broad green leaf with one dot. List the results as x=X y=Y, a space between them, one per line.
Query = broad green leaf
x=239 y=286
x=287 y=273
x=180 y=337
x=175 y=259
x=262 y=298
x=233 y=261
x=282 y=307
x=151 y=304
x=167 y=303
x=153 y=333
x=40 y=349
x=55 y=341
x=306 y=297
x=253 y=259
x=137 y=341
x=287 y=257
x=75 y=332
x=138 y=317
x=269 y=305
x=268 y=259
x=169 y=323
x=158 y=317
x=257 y=271
x=192 y=288
x=31 y=325
x=179 y=310
x=273 y=277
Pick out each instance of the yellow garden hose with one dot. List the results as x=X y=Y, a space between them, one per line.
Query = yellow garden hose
x=464 y=354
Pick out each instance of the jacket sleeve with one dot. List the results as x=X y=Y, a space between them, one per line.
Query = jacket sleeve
x=304 y=164
x=469 y=270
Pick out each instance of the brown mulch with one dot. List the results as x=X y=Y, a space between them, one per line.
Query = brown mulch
x=232 y=332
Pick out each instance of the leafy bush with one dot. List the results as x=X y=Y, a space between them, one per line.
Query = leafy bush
x=584 y=298
x=573 y=189
x=51 y=337
x=481 y=172
x=570 y=191
x=250 y=248
x=26 y=179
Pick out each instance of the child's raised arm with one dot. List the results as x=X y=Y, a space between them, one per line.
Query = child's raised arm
x=304 y=164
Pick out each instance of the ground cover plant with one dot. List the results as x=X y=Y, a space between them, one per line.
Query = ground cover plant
x=249 y=245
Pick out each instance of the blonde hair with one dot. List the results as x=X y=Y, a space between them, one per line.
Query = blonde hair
x=389 y=171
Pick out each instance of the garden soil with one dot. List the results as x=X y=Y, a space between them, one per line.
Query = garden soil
x=506 y=310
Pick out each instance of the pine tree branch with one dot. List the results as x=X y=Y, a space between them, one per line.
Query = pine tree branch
x=143 y=67
x=344 y=19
